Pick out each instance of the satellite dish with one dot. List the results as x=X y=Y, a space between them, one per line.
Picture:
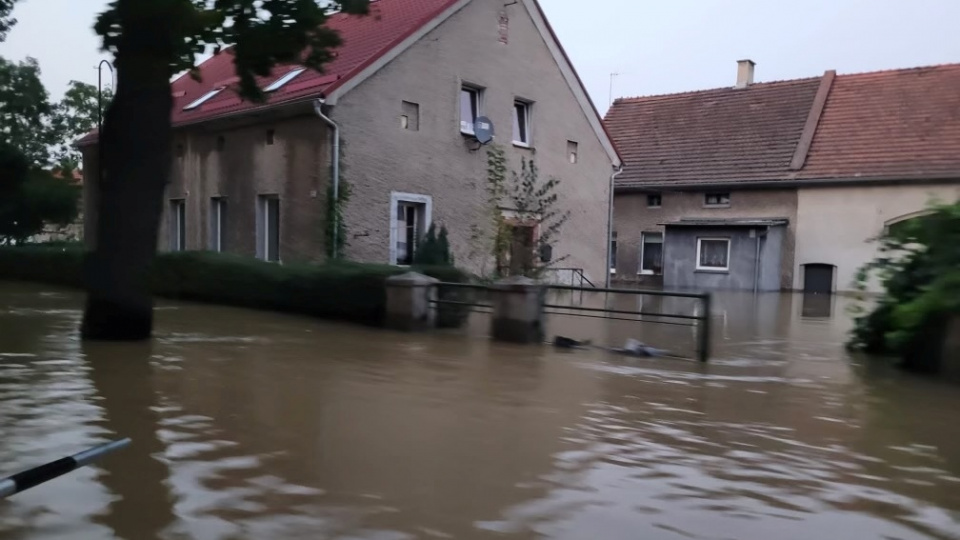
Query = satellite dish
x=483 y=130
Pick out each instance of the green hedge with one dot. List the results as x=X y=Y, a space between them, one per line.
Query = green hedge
x=342 y=291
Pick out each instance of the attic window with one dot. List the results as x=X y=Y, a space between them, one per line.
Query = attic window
x=203 y=99
x=278 y=84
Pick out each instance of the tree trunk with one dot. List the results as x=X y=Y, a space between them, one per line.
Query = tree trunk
x=136 y=165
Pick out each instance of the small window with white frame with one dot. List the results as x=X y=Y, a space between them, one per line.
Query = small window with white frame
x=178 y=225
x=521 y=122
x=470 y=103
x=410 y=217
x=719 y=199
x=713 y=254
x=218 y=223
x=651 y=253
x=573 y=152
x=268 y=228
x=654 y=200
x=613 y=252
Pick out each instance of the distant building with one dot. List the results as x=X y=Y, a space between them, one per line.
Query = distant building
x=780 y=185
x=406 y=90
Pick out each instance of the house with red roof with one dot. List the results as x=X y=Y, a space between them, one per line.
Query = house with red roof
x=399 y=119
x=780 y=185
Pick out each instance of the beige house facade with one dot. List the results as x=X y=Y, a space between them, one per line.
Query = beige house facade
x=394 y=122
x=719 y=186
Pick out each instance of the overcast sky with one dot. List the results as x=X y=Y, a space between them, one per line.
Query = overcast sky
x=656 y=46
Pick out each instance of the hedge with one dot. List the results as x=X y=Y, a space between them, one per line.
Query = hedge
x=342 y=291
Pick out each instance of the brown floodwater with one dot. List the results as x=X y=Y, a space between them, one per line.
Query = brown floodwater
x=250 y=425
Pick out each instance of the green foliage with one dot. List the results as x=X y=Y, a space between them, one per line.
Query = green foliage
x=534 y=203
x=75 y=116
x=25 y=110
x=6 y=22
x=264 y=32
x=31 y=197
x=340 y=291
x=919 y=268
x=434 y=250
x=335 y=209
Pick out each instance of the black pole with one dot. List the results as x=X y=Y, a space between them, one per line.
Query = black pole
x=100 y=116
x=44 y=473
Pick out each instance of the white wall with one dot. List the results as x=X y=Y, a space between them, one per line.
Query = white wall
x=835 y=225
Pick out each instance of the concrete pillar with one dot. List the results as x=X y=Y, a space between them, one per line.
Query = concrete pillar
x=409 y=307
x=518 y=310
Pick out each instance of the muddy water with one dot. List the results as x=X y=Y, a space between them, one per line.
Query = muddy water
x=253 y=425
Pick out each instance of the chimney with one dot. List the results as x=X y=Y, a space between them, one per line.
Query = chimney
x=745 y=70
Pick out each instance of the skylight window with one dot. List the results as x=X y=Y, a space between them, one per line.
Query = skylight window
x=278 y=84
x=203 y=99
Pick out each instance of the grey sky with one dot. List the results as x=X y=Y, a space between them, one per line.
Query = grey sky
x=657 y=46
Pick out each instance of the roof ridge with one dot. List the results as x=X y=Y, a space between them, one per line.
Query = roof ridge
x=684 y=93
x=900 y=70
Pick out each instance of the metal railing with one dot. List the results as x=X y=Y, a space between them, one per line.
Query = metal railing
x=456 y=299
x=701 y=321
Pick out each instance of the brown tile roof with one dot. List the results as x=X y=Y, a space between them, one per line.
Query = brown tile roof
x=887 y=125
x=720 y=135
x=902 y=124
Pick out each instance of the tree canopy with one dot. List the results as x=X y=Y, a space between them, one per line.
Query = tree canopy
x=6 y=6
x=31 y=197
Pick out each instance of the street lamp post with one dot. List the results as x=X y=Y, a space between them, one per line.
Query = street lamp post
x=100 y=116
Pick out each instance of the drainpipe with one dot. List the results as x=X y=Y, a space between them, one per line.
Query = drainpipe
x=756 y=270
x=335 y=173
x=613 y=178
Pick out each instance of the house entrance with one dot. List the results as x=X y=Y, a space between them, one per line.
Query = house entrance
x=818 y=279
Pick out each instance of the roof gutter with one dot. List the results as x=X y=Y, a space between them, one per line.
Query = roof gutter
x=944 y=178
x=335 y=174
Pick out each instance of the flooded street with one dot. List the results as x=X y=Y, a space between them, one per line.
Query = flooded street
x=250 y=425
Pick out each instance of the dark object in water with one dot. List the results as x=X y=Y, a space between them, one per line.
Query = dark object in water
x=561 y=342
x=638 y=349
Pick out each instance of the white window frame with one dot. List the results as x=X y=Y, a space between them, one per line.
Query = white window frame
x=614 y=248
x=217 y=205
x=282 y=81
x=717 y=205
x=203 y=99
x=398 y=197
x=178 y=235
x=528 y=117
x=700 y=241
x=263 y=227
x=643 y=247
x=467 y=127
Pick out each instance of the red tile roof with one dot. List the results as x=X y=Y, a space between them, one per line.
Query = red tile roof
x=888 y=125
x=725 y=134
x=901 y=124
x=365 y=39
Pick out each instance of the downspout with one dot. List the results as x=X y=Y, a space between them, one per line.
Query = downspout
x=756 y=270
x=335 y=173
x=613 y=177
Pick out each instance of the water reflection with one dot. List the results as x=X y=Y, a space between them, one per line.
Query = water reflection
x=257 y=425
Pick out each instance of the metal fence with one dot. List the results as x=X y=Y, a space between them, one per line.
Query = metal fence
x=456 y=301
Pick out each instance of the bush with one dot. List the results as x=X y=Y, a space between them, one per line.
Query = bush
x=919 y=267
x=342 y=290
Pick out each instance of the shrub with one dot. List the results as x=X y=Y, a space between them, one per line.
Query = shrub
x=919 y=268
x=342 y=290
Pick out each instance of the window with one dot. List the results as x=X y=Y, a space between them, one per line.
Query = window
x=651 y=253
x=268 y=234
x=654 y=200
x=218 y=223
x=521 y=123
x=271 y=136
x=716 y=199
x=178 y=225
x=613 y=252
x=713 y=254
x=409 y=116
x=203 y=99
x=410 y=217
x=278 y=84
x=469 y=108
x=573 y=152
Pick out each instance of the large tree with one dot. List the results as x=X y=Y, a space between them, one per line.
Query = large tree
x=151 y=40
x=25 y=110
